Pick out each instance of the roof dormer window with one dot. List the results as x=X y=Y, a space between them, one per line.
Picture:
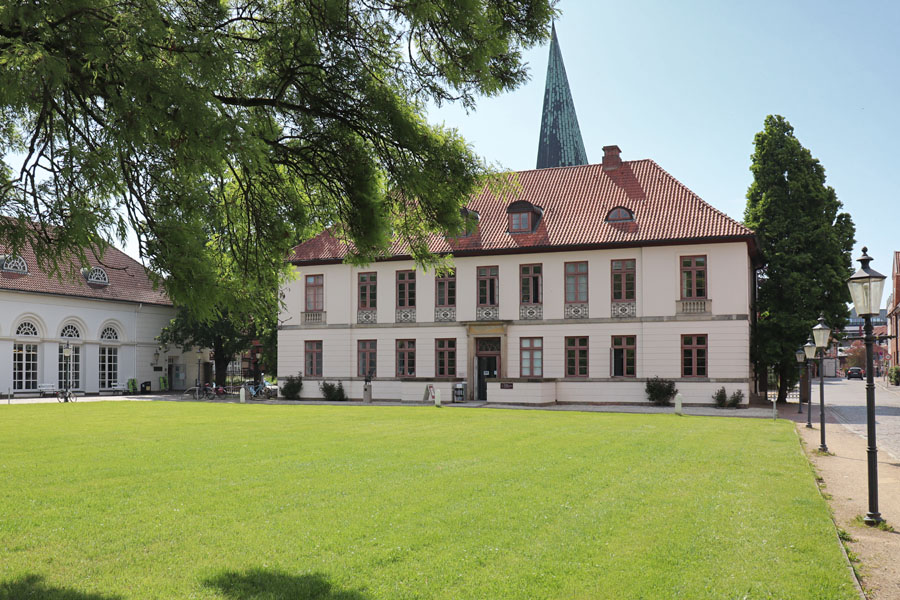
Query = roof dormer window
x=470 y=222
x=13 y=264
x=520 y=222
x=523 y=217
x=619 y=214
x=96 y=276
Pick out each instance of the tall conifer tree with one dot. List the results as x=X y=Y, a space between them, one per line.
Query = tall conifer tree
x=805 y=241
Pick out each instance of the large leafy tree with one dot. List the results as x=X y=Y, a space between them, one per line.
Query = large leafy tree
x=227 y=335
x=805 y=241
x=236 y=120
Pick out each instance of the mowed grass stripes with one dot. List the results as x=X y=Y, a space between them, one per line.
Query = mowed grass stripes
x=184 y=500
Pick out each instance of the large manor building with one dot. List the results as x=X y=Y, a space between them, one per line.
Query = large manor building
x=594 y=279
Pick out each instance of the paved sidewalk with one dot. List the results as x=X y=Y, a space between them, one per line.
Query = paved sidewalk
x=845 y=478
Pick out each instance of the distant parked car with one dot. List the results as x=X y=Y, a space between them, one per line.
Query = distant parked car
x=854 y=372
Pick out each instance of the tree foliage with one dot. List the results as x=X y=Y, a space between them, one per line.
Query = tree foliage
x=234 y=126
x=227 y=336
x=805 y=241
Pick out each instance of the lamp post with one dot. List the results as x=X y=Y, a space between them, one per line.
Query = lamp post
x=67 y=353
x=801 y=358
x=866 y=286
x=821 y=332
x=809 y=349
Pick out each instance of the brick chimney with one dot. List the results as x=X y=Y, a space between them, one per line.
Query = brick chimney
x=611 y=158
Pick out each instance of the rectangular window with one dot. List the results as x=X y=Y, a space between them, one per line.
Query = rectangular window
x=693 y=277
x=519 y=222
x=531 y=357
x=25 y=366
x=368 y=290
x=487 y=285
x=623 y=273
x=576 y=357
x=623 y=356
x=406 y=289
x=109 y=367
x=406 y=358
x=366 y=351
x=445 y=357
x=70 y=369
x=531 y=284
x=314 y=359
x=693 y=356
x=445 y=289
x=315 y=293
x=576 y=282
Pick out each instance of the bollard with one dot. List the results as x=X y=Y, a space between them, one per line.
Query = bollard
x=437 y=397
x=243 y=394
x=678 y=400
x=775 y=408
x=367 y=393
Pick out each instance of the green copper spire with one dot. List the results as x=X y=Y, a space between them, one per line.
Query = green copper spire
x=560 y=144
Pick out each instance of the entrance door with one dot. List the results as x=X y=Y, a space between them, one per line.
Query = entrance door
x=487 y=368
x=487 y=363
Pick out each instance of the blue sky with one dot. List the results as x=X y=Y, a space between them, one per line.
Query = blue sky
x=688 y=84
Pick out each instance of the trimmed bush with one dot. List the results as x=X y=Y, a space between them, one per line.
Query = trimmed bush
x=333 y=392
x=661 y=391
x=735 y=399
x=894 y=375
x=291 y=387
x=720 y=397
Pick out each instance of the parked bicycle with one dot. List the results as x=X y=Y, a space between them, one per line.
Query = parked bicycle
x=65 y=396
x=258 y=391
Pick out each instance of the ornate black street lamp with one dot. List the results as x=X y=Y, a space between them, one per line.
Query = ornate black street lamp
x=821 y=333
x=809 y=348
x=866 y=286
x=801 y=359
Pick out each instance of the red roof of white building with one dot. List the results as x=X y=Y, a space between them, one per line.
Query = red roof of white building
x=575 y=202
x=128 y=280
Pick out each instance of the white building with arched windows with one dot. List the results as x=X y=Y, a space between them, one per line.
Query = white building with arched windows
x=109 y=317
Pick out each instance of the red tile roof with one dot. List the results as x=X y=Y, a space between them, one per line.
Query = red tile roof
x=575 y=202
x=128 y=280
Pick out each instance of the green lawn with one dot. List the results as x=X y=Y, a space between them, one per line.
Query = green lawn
x=184 y=500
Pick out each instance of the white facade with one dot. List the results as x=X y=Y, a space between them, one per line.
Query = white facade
x=657 y=319
x=121 y=335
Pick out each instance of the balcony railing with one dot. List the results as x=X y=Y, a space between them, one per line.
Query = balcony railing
x=315 y=317
x=700 y=306
x=367 y=315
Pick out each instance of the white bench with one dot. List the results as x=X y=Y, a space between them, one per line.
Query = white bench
x=46 y=388
x=119 y=388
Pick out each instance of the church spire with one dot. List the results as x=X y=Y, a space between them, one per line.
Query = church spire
x=560 y=144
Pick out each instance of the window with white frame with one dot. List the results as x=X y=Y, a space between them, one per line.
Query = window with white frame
x=109 y=367
x=27 y=328
x=70 y=368
x=109 y=333
x=14 y=264
x=97 y=276
x=25 y=371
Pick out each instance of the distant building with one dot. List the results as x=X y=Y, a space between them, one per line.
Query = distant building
x=893 y=311
x=109 y=317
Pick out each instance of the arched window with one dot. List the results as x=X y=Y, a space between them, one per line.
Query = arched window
x=70 y=331
x=27 y=328
x=109 y=333
x=14 y=264
x=97 y=276
x=619 y=214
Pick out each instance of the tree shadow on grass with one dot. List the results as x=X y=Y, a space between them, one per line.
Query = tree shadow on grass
x=33 y=586
x=264 y=584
